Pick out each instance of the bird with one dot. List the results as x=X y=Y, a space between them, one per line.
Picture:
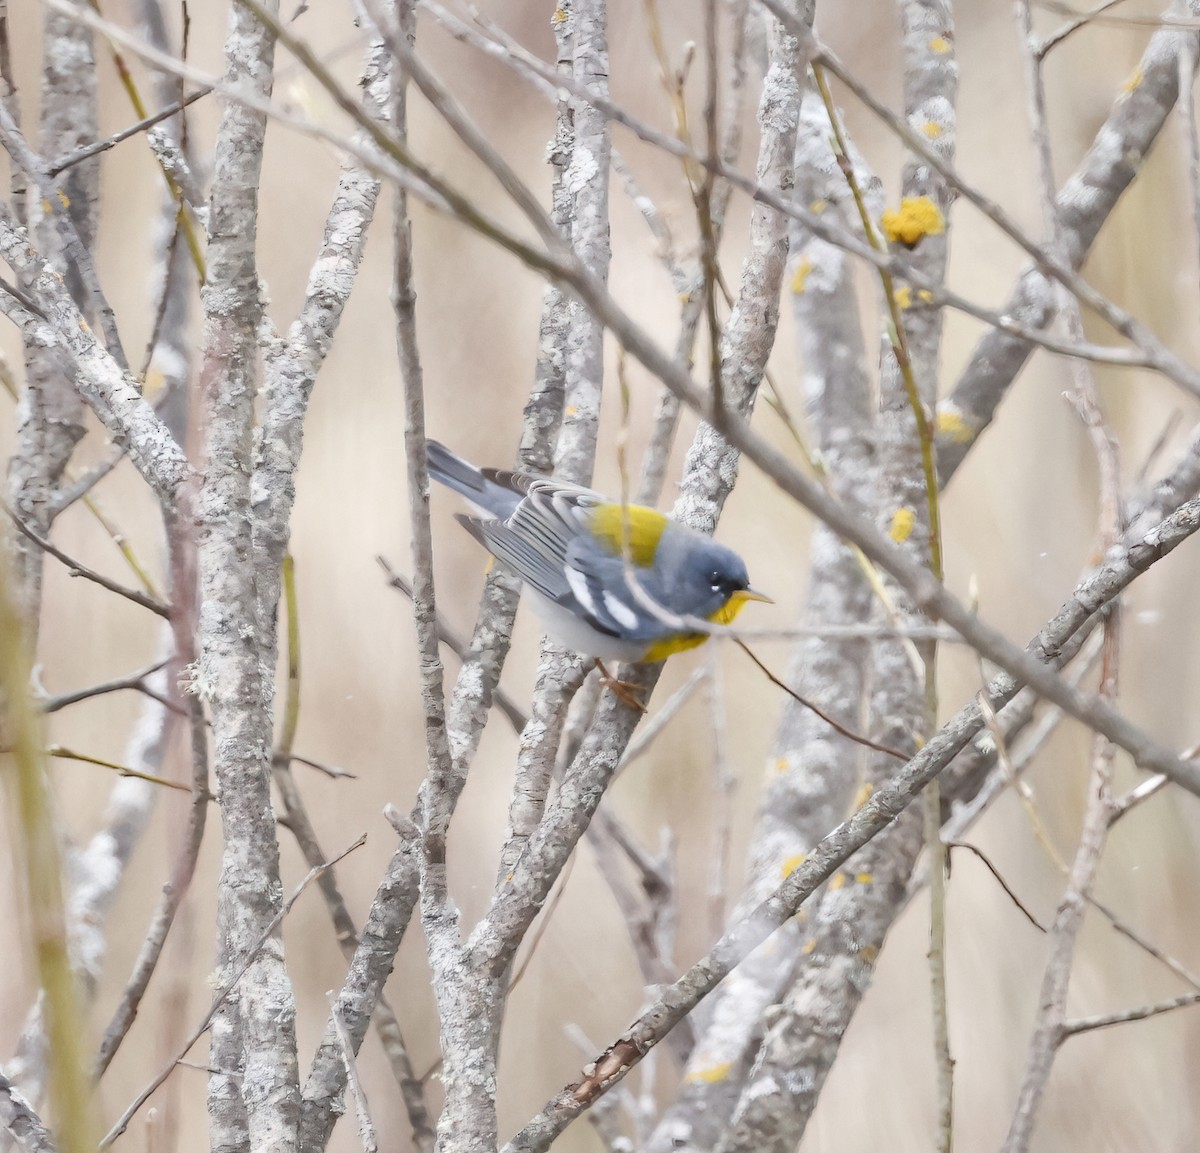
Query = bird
x=575 y=549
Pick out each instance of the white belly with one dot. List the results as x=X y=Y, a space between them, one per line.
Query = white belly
x=575 y=633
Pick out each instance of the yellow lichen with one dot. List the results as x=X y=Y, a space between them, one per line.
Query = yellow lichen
x=800 y=276
x=951 y=426
x=903 y=296
x=864 y=878
x=809 y=946
x=781 y=764
x=837 y=881
x=791 y=864
x=940 y=45
x=924 y=296
x=818 y=206
x=903 y=520
x=153 y=383
x=932 y=129
x=1135 y=81
x=560 y=14
x=711 y=1075
x=916 y=217
x=862 y=796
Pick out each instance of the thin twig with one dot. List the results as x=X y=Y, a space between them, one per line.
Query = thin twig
x=458 y=645
x=74 y=251
x=538 y=935
x=1008 y=772
x=849 y=734
x=442 y=198
x=94 y=149
x=1073 y=1028
x=40 y=877
x=296 y=818
x=382 y=932
x=1077 y=21
x=1139 y=793
x=1148 y=947
x=999 y=878
x=677 y=1000
x=366 y=1128
x=133 y=681
x=1191 y=131
x=78 y=569
x=334 y=772
x=173 y=894
x=120 y=770
x=724 y=784
x=122 y=1122
x=1048 y=1030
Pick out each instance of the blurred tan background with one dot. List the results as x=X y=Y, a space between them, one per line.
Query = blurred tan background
x=1020 y=521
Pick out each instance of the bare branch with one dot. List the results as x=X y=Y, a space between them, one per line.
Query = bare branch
x=172 y=897
x=89 y=150
x=291 y=365
x=22 y=1122
x=1141 y=1013
x=1083 y=205
x=71 y=111
x=369 y=969
x=256 y=1031
x=110 y=393
x=889 y=800
x=77 y=568
x=226 y=989
x=366 y=1128
x=813 y=770
x=133 y=681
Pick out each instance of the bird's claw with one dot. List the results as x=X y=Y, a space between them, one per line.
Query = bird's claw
x=623 y=690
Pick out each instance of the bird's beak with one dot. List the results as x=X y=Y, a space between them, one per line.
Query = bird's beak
x=743 y=595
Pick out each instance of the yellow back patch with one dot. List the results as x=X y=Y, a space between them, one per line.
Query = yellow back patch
x=616 y=524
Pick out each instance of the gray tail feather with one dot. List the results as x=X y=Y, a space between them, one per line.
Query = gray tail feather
x=451 y=470
x=474 y=526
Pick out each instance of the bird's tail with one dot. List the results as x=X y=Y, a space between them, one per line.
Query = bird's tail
x=461 y=475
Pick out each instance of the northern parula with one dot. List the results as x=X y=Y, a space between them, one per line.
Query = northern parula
x=569 y=545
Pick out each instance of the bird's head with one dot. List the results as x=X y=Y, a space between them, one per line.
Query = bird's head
x=717 y=581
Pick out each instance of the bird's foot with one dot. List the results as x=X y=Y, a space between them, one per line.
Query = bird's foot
x=623 y=690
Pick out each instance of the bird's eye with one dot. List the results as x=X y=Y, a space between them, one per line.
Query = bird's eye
x=717 y=581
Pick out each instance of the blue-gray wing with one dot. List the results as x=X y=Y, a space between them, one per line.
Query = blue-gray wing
x=537 y=540
x=531 y=563
x=546 y=543
x=602 y=592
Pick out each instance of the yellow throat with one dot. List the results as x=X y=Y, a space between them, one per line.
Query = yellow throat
x=725 y=615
